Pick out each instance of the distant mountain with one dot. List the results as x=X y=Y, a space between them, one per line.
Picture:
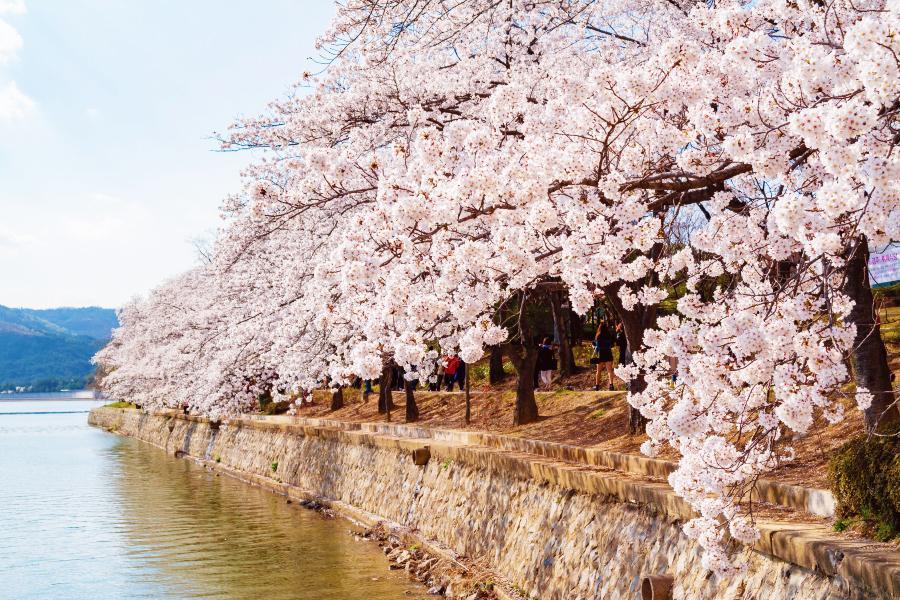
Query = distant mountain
x=92 y=321
x=51 y=349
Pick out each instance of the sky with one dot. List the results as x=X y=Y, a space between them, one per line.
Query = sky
x=108 y=173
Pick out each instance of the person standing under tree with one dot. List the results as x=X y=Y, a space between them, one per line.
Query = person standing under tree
x=603 y=358
x=546 y=362
x=622 y=344
x=452 y=372
x=624 y=350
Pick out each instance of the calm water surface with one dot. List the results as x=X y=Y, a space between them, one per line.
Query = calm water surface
x=87 y=514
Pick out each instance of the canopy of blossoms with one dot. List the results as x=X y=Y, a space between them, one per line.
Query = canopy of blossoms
x=454 y=156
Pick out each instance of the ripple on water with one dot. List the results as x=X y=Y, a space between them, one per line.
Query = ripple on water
x=100 y=516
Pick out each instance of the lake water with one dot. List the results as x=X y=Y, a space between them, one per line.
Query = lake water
x=87 y=514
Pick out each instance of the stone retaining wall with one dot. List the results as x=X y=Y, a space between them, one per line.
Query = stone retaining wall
x=550 y=540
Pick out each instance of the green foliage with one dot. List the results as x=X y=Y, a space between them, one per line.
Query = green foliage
x=885 y=532
x=865 y=479
x=890 y=324
x=274 y=466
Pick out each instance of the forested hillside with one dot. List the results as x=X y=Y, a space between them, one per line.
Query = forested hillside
x=51 y=349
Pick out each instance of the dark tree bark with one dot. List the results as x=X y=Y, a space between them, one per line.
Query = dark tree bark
x=468 y=416
x=576 y=327
x=495 y=366
x=635 y=322
x=560 y=310
x=337 y=398
x=412 y=409
x=869 y=357
x=385 y=395
x=524 y=359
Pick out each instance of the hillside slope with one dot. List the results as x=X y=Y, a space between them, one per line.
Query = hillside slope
x=51 y=349
x=91 y=321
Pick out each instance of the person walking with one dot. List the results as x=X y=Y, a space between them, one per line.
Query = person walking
x=603 y=358
x=546 y=362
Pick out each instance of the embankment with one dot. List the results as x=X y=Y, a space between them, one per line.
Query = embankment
x=552 y=530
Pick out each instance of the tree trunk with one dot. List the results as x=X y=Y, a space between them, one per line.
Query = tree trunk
x=576 y=327
x=468 y=417
x=524 y=359
x=635 y=322
x=385 y=396
x=412 y=410
x=495 y=366
x=337 y=398
x=868 y=357
x=560 y=309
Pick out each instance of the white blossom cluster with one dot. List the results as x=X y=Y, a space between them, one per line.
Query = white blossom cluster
x=455 y=155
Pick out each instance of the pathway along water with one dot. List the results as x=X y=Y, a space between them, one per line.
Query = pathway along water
x=88 y=514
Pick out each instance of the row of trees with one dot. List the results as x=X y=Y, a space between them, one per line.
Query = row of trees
x=458 y=162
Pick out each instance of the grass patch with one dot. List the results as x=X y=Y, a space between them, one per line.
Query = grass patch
x=598 y=414
x=119 y=404
x=890 y=324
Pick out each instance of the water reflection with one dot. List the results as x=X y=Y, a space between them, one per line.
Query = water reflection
x=86 y=514
x=229 y=539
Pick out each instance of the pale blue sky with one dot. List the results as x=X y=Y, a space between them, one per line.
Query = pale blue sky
x=107 y=171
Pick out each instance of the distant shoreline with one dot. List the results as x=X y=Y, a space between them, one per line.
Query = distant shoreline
x=77 y=395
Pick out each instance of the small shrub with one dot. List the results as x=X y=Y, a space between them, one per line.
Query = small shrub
x=841 y=525
x=865 y=479
x=274 y=466
x=885 y=532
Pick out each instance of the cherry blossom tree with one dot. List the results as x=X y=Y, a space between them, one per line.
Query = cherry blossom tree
x=456 y=161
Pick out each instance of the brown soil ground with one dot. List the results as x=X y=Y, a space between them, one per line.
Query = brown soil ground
x=590 y=419
x=572 y=414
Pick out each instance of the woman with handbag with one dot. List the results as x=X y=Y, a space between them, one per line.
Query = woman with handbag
x=603 y=357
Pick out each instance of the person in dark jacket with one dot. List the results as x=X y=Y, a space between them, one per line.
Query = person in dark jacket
x=622 y=345
x=546 y=362
x=603 y=357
